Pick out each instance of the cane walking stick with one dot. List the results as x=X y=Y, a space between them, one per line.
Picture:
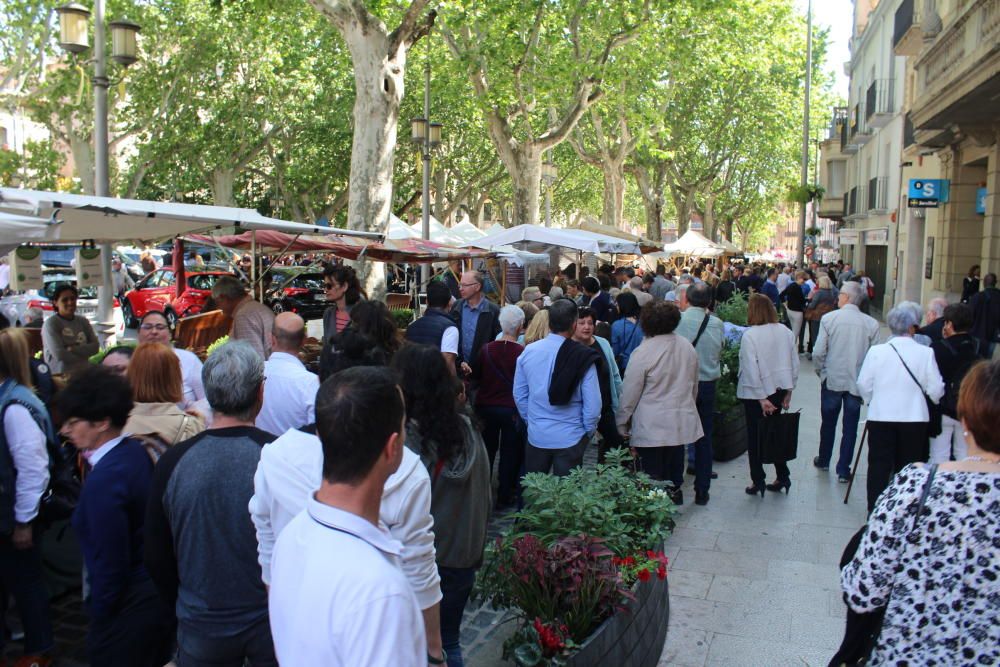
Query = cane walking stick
x=857 y=462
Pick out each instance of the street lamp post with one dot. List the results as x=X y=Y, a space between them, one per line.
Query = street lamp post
x=549 y=175
x=805 y=135
x=426 y=136
x=73 y=38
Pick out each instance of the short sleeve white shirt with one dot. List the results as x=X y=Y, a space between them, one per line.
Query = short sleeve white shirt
x=194 y=390
x=338 y=596
x=449 y=340
x=289 y=394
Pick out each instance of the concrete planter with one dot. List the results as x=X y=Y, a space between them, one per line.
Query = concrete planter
x=729 y=437
x=632 y=638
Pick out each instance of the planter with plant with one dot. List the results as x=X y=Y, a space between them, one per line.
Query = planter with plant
x=729 y=434
x=403 y=317
x=582 y=568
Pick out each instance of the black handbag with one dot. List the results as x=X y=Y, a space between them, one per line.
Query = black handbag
x=778 y=437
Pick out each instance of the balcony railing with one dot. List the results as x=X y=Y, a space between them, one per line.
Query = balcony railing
x=906 y=19
x=908 y=133
x=856 y=200
x=847 y=203
x=838 y=120
x=878 y=195
x=880 y=102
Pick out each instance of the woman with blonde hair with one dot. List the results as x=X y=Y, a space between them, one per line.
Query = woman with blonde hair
x=822 y=300
x=769 y=370
x=538 y=329
x=155 y=376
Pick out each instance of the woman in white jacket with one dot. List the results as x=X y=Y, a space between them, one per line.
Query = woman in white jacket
x=893 y=380
x=291 y=469
x=769 y=370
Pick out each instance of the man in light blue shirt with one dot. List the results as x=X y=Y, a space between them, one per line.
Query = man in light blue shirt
x=557 y=434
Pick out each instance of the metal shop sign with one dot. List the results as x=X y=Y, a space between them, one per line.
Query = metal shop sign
x=927 y=192
x=981 y=201
x=848 y=237
x=877 y=236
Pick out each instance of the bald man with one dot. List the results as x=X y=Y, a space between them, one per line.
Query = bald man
x=289 y=389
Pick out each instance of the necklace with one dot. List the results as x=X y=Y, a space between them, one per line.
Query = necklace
x=981 y=459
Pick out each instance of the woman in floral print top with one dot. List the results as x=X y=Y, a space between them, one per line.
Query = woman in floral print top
x=939 y=572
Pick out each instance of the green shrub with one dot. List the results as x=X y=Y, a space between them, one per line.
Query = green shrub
x=96 y=359
x=725 y=388
x=734 y=310
x=403 y=317
x=216 y=345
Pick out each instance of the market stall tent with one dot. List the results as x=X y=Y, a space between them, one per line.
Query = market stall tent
x=542 y=239
x=76 y=218
x=693 y=244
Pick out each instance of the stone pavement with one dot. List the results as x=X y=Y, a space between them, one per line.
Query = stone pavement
x=753 y=581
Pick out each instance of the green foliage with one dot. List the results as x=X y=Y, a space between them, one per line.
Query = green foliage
x=96 y=359
x=734 y=310
x=403 y=317
x=10 y=163
x=725 y=388
x=216 y=345
x=804 y=194
x=42 y=163
x=608 y=500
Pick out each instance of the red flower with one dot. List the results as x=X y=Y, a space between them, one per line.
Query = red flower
x=644 y=575
x=661 y=572
x=629 y=561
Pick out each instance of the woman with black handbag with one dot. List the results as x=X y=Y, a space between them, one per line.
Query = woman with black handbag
x=899 y=381
x=769 y=371
x=930 y=555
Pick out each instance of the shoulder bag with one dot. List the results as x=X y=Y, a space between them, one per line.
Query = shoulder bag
x=701 y=330
x=933 y=410
x=862 y=632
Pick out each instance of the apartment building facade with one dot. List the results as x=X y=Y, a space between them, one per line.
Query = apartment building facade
x=918 y=147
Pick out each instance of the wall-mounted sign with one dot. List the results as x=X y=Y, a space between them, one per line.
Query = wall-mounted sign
x=848 y=237
x=877 y=236
x=25 y=268
x=981 y=201
x=927 y=192
x=929 y=258
x=88 y=267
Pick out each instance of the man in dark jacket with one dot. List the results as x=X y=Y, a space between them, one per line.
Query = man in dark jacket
x=437 y=327
x=986 y=315
x=598 y=300
x=955 y=353
x=478 y=319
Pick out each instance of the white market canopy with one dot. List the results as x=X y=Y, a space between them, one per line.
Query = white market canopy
x=542 y=239
x=399 y=230
x=72 y=218
x=693 y=244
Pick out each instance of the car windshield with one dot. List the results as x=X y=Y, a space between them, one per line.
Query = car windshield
x=309 y=281
x=52 y=284
x=203 y=281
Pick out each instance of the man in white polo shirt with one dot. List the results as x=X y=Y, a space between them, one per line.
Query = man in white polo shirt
x=290 y=389
x=338 y=595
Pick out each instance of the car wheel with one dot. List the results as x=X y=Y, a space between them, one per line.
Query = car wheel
x=171 y=318
x=277 y=307
x=131 y=322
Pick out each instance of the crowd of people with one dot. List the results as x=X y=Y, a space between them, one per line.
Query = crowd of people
x=245 y=509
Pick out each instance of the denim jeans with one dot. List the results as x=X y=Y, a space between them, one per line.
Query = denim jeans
x=830 y=403
x=252 y=645
x=21 y=575
x=703 y=446
x=456 y=585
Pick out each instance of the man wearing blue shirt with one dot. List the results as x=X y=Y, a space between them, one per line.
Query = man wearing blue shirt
x=557 y=394
x=770 y=287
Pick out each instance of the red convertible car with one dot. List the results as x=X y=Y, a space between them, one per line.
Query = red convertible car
x=158 y=291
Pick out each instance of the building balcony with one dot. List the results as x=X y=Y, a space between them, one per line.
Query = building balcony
x=859 y=133
x=907 y=36
x=878 y=195
x=880 y=103
x=831 y=206
x=958 y=75
x=856 y=199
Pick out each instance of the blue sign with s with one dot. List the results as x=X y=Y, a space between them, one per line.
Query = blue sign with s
x=981 y=201
x=929 y=189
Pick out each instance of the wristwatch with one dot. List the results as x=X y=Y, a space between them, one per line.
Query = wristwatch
x=431 y=660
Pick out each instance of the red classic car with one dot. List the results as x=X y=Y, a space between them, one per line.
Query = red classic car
x=158 y=291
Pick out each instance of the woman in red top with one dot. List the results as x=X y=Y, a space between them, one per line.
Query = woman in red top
x=495 y=404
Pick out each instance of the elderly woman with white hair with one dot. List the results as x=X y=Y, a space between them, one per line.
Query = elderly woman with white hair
x=894 y=380
x=495 y=404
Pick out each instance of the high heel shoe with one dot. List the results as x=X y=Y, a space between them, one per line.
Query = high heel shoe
x=755 y=489
x=779 y=485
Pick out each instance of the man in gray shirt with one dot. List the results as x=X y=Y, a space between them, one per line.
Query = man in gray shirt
x=201 y=547
x=844 y=338
x=661 y=285
x=705 y=331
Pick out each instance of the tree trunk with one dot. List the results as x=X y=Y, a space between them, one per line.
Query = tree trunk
x=222 y=187
x=729 y=229
x=438 y=178
x=614 y=193
x=708 y=218
x=527 y=180
x=652 y=201
x=83 y=158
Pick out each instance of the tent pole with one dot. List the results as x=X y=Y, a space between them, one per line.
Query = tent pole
x=253 y=263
